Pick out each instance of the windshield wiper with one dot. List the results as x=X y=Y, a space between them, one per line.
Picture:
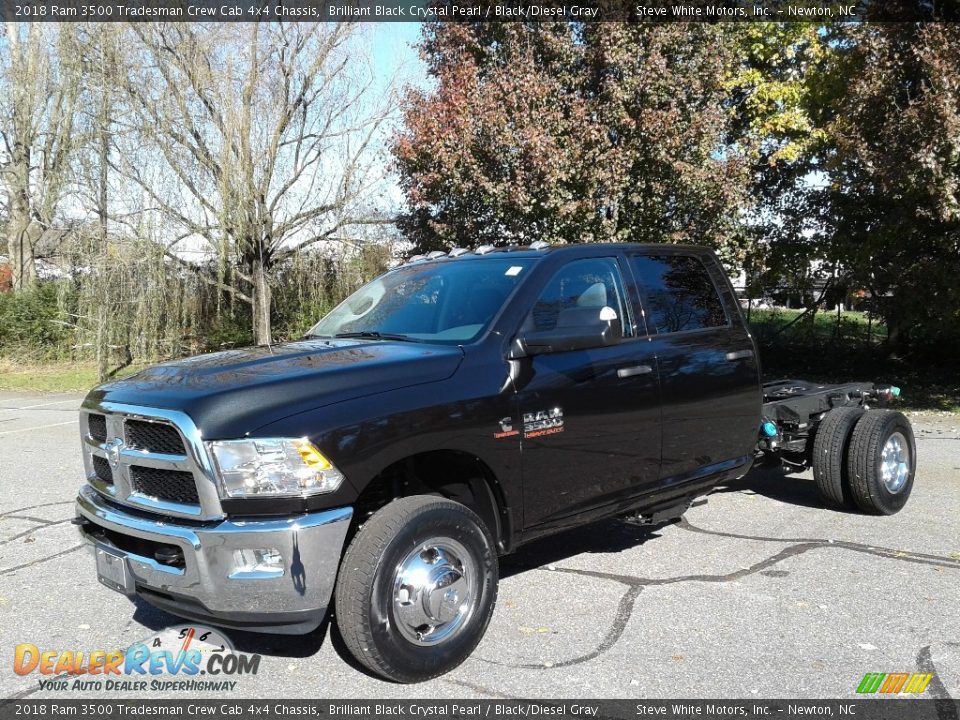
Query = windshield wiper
x=374 y=335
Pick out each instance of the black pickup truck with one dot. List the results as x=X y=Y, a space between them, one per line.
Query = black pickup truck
x=444 y=414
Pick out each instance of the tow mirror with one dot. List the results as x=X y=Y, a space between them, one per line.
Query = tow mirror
x=576 y=329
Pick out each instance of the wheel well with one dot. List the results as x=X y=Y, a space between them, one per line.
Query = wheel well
x=453 y=474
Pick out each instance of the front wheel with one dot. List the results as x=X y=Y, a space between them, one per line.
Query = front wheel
x=882 y=461
x=417 y=587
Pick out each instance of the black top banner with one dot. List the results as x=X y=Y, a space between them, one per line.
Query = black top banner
x=480 y=10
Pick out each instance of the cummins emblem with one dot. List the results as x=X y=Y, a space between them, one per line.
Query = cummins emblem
x=506 y=428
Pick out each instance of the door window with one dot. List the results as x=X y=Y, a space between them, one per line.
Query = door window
x=679 y=293
x=579 y=292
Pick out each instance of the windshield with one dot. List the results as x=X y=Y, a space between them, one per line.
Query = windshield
x=446 y=302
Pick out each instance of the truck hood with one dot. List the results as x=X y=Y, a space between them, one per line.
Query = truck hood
x=231 y=393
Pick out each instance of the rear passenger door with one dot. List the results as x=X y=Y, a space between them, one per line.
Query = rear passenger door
x=706 y=360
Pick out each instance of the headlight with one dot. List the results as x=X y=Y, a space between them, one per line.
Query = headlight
x=273 y=467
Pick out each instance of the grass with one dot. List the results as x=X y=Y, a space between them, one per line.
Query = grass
x=52 y=377
x=772 y=326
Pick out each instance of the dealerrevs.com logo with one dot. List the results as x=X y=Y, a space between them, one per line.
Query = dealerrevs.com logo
x=187 y=658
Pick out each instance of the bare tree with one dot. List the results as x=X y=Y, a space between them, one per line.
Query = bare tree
x=100 y=52
x=39 y=86
x=256 y=143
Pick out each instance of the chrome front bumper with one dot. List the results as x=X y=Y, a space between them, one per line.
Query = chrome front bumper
x=209 y=586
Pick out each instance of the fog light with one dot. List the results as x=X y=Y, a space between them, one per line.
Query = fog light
x=257 y=563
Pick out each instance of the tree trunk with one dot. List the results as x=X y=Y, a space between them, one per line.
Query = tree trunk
x=20 y=249
x=262 y=302
x=104 y=290
x=20 y=234
x=103 y=343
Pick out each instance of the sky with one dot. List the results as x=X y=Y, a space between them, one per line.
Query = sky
x=394 y=60
x=393 y=50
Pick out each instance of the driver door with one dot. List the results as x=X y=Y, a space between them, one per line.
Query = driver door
x=590 y=419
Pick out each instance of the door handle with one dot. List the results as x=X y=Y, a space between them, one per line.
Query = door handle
x=634 y=370
x=739 y=355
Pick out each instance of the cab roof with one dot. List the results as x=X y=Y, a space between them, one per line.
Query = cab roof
x=540 y=250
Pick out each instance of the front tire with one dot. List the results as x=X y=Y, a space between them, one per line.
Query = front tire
x=882 y=462
x=417 y=588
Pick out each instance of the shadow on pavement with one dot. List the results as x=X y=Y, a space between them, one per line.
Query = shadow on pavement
x=773 y=483
x=290 y=646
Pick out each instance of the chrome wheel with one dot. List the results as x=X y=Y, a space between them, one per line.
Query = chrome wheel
x=895 y=463
x=435 y=591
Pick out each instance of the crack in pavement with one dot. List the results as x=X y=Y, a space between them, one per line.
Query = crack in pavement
x=30 y=518
x=23 y=693
x=43 y=559
x=34 y=507
x=621 y=618
x=40 y=526
x=905 y=555
x=636 y=584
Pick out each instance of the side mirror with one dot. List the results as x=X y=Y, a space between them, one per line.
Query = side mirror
x=576 y=329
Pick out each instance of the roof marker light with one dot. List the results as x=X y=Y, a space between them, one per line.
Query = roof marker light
x=539 y=245
x=484 y=249
x=457 y=252
x=436 y=254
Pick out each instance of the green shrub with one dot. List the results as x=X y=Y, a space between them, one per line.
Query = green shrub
x=229 y=330
x=34 y=321
x=293 y=321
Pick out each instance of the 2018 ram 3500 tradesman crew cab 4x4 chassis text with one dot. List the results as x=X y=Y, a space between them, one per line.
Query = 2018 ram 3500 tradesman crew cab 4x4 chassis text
x=445 y=413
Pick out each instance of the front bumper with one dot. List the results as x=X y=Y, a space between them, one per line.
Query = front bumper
x=207 y=585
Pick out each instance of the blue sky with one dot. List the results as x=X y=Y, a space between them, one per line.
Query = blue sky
x=393 y=59
x=393 y=51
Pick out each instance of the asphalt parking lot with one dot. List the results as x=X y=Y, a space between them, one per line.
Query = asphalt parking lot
x=759 y=592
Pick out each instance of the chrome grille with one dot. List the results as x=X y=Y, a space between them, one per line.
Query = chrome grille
x=172 y=485
x=149 y=458
x=101 y=468
x=153 y=437
x=98 y=427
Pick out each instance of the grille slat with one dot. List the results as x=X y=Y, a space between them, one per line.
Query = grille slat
x=171 y=485
x=154 y=437
x=97 y=426
x=101 y=469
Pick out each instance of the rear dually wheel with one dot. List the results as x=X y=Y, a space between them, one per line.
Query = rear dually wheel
x=830 y=449
x=882 y=462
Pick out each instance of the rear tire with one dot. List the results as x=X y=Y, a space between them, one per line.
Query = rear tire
x=417 y=588
x=882 y=462
x=830 y=450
